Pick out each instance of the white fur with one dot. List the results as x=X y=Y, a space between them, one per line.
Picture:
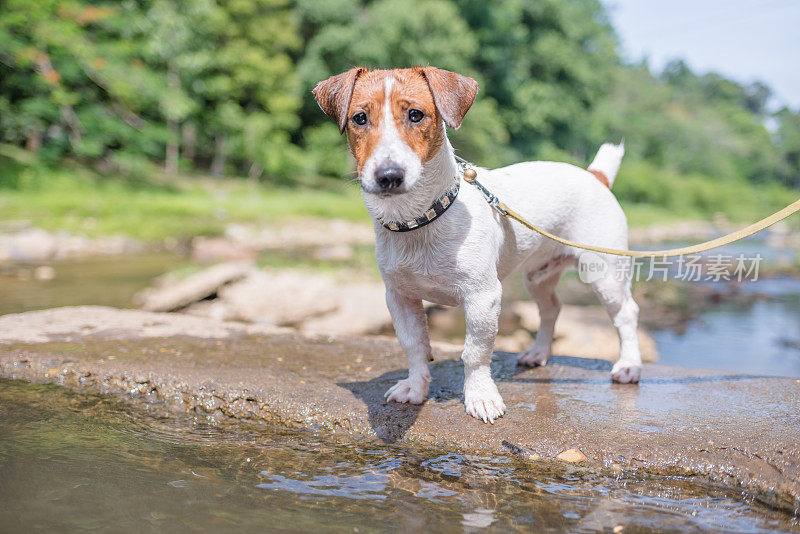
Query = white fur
x=461 y=258
x=608 y=160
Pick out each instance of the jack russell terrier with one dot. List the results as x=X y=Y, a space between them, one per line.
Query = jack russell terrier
x=439 y=242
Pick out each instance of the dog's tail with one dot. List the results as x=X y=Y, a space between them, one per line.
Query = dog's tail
x=605 y=164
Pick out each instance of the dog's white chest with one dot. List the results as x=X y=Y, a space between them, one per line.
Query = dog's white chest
x=424 y=287
x=434 y=262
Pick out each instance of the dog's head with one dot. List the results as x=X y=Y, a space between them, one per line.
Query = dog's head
x=395 y=119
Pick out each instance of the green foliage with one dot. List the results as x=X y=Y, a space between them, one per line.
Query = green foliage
x=691 y=124
x=788 y=139
x=696 y=196
x=109 y=82
x=546 y=64
x=223 y=86
x=386 y=34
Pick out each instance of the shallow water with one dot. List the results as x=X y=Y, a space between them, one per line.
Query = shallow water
x=104 y=281
x=73 y=461
x=760 y=338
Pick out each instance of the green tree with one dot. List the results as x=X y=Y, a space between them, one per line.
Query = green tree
x=546 y=64
x=788 y=141
x=69 y=82
x=179 y=40
x=388 y=34
x=224 y=85
x=246 y=88
x=688 y=123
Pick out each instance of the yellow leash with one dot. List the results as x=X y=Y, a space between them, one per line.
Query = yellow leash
x=470 y=177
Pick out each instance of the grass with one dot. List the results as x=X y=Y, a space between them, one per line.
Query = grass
x=76 y=199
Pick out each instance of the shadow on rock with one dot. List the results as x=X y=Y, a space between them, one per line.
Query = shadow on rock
x=391 y=420
x=594 y=364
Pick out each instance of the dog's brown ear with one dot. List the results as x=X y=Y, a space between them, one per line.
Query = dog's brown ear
x=333 y=95
x=453 y=93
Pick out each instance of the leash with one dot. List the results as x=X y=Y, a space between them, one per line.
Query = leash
x=470 y=176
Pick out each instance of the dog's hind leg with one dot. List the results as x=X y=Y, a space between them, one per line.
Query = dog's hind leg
x=614 y=291
x=542 y=288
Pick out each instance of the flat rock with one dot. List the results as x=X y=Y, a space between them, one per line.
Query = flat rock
x=310 y=302
x=77 y=323
x=174 y=296
x=302 y=233
x=361 y=310
x=280 y=297
x=729 y=428
x=23 y=243
x=31 y=244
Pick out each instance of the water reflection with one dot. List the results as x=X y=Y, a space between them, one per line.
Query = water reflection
x=79 y=461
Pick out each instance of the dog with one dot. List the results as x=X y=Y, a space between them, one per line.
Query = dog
x=440 y=241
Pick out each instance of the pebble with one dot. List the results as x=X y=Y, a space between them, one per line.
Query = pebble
x=571 y=456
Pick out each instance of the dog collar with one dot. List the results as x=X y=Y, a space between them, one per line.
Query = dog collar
x=438 y=207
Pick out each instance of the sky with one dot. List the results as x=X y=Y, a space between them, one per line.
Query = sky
x=746 y=40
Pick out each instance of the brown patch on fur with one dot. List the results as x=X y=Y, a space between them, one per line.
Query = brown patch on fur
x=425 y=137
x=369 y=97
x=452 y=92
x=442 y=96
x=333 y=95
x=600 y=175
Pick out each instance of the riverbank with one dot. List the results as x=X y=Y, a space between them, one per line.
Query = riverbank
x=319 y=287
x=567 y=412
x=154 y=208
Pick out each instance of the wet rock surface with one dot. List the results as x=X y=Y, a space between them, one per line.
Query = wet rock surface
x=739 y=430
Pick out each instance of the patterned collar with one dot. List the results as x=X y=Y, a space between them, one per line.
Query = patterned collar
x=438 y=207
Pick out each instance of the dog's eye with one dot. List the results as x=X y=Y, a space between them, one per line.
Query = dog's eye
x=360 y=118
x=415 y=115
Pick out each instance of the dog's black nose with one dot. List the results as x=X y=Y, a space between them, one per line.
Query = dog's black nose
x=389 y=176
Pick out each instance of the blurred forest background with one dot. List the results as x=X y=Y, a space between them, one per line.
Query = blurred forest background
x=140 y=98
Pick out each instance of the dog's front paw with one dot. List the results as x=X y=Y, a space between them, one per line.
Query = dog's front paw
x=534 y=356
x=625 y=373
x=412 y=389
x=482 y=400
